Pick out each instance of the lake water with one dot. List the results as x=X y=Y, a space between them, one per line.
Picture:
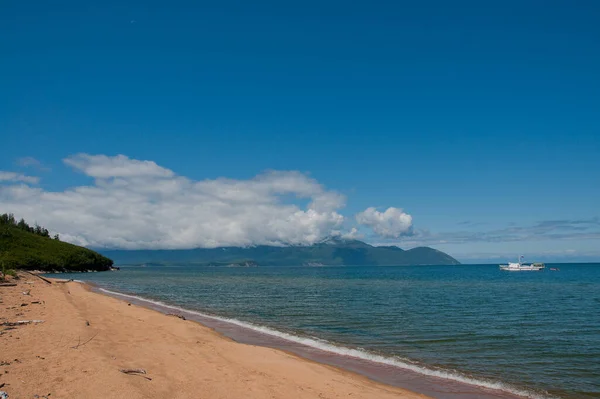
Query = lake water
x=535 y=334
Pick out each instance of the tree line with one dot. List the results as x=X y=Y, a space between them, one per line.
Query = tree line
x=8 y=219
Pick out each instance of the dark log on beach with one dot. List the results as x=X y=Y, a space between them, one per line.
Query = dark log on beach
x=38 y=276
x=8 y=285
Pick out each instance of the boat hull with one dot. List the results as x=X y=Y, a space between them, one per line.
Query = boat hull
x=522 y=268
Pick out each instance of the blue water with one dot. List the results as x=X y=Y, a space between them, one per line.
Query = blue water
x=537 y=332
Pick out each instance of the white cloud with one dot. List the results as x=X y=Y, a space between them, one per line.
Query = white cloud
x=353 y=234
x=103 y=167
x=392 y=223
x=18 y=177
x=139 y=204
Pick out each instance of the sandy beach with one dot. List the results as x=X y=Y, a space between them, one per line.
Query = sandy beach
x=86 y=338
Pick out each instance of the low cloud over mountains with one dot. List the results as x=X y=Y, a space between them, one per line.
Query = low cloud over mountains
x=138 y=204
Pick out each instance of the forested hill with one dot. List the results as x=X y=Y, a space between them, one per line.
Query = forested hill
x=330 y=252
x=31 y=247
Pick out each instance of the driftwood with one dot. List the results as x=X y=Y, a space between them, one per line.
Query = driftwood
x=38 y=276
x=21 y=322
x=135 y=372
x=63 y=281
x=176 y=315
x=8 y=285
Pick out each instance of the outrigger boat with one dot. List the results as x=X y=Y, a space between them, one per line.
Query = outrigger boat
x=522 y=266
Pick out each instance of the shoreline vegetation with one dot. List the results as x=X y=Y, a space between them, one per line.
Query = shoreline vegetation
x=31 y=248
x=60 y=339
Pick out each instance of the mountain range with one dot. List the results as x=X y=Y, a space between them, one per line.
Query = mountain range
x=330 y=252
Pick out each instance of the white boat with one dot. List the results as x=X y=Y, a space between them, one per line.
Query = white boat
x=517 y=267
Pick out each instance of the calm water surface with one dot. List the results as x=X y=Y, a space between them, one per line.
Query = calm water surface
x=536 y=331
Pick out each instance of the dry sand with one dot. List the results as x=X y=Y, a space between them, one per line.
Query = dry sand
x=87 y=337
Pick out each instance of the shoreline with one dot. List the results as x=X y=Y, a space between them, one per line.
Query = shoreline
x=379 y=369
x=384 y=374
x=85 y=338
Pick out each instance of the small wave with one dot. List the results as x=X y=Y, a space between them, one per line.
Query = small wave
x=327 y=346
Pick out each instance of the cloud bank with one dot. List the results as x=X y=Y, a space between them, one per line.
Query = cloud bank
x=138 y=204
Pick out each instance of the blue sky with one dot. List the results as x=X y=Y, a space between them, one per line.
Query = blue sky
x=478 y=120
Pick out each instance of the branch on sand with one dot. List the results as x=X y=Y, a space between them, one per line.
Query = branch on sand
x=135 y=372
x=80 y=344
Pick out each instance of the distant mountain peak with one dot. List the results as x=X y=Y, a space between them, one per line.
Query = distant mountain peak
x=392 y=247
x=338 y=240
